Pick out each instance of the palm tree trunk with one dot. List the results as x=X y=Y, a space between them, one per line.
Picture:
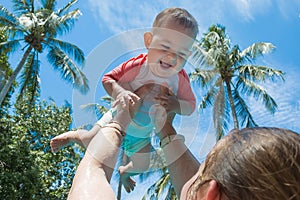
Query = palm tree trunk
x=13 y=77
x=234 y=116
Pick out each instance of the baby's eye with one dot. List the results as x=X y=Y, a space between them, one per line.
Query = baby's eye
x=165 y=46
x=184 y=55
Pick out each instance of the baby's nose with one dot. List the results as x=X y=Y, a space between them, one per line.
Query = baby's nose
x=172 y=57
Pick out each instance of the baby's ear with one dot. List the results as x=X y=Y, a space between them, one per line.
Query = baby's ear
x=147 y=39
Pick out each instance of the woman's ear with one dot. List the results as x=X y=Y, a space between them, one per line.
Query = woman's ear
x=212 y=192
x=147 y=39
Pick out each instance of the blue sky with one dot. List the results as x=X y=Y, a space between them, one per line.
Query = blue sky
x=109 y=31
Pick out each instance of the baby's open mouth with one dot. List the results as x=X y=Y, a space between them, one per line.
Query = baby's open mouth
x=164 y=65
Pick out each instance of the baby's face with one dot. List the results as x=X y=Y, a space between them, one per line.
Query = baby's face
x=168 y=49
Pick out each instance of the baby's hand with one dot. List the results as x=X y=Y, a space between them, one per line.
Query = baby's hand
x=125 y=98
x=168 y=100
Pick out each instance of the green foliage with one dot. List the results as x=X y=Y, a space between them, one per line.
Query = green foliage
x=5 y=72
x=28 y=168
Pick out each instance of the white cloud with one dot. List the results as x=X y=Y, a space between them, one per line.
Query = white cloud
x=247 y=9
x=118 y=16
x=289 y=8
x=123 y=15
x=287 y=95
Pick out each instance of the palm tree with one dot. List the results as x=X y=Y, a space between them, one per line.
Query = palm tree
x=35 y=30
x=229 y=75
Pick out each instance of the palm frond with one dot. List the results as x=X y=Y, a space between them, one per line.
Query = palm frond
x=234 y=56
x=198 y=57
x=260 y=73
x=13 y=32
x=165 y=180
x=69 y=70
x=95 y=108
x=66 y=8
x=204 y=77
x=64 y=24
x=69 y=18
x=70 y=49
x=215 y=41
x=210 y=40
x=6 y=14
x=250 y=88
x=7 y=24
x=48 y=4
x=208 y=98
x=157 y=189
x=243 y=113
x=9 y=46
x=23 y=6
x=257 y=49
x=171 y=194
x=59 y=25
x=107 y=99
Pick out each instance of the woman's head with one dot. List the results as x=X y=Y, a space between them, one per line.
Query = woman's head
x=253 y=163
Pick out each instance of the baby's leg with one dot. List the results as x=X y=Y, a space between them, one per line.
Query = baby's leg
x=81 y=136
x=139 y=163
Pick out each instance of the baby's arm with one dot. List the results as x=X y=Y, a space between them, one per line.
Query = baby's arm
x=120 y=94
x=113 y=82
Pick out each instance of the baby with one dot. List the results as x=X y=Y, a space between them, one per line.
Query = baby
x=169 y=46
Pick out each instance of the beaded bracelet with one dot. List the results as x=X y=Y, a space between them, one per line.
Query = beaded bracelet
x=166 y=140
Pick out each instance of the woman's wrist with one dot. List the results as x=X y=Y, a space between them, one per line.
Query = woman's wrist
x=116 y=125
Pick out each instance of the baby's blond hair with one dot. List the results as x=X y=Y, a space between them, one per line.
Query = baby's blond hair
x=181 y=16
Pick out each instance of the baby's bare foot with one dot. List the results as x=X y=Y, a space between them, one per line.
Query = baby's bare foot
x=62 y=140
x=126 y=180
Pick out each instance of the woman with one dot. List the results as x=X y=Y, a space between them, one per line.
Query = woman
x=252 y=163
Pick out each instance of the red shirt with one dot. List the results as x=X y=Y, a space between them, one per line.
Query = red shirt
x=128 y=71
